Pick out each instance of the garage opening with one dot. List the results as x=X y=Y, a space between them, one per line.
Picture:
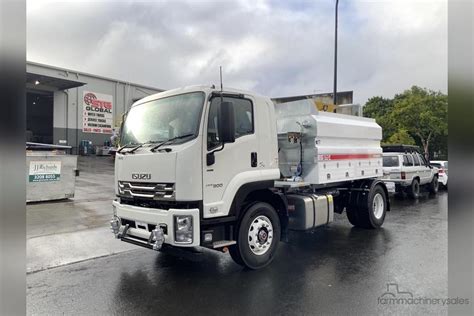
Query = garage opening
x=39 y=117
x=41 y=105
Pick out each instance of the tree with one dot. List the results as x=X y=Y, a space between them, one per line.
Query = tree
x=401 y=137
x=422 y=113
x=416 y=116
x=379 y=109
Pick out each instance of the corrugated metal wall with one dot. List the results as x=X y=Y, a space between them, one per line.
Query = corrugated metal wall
x=68 y=104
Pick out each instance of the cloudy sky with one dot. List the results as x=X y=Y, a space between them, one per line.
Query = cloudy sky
x=276 y=48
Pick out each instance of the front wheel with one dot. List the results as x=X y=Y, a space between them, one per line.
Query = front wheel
x=258 y=236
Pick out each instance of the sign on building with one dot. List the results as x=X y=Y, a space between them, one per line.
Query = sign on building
x=97 y=113
x=44 y=171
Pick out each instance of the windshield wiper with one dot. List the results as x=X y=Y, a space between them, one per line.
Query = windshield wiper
x=131 y=151
x=126 y=146
x=170 y=141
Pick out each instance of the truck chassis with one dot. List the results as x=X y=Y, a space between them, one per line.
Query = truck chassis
x=263 y=217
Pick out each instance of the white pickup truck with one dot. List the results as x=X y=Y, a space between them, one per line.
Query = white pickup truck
x=228 y=171
x=407 y=171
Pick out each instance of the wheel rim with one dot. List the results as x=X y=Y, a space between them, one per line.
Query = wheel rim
x=378 y=206
x=436 y=184
x=260 y=235
x=416 y=187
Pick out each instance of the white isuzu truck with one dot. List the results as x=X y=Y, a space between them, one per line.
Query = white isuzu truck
x=229 y=170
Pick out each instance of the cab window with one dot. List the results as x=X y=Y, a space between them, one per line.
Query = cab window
x=417 y=160
x=243 y=113
x=390 y=161
x=405 y=161
x=409 y=160
x=422 y=159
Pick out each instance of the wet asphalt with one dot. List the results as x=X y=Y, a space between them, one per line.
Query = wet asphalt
x=336 y=269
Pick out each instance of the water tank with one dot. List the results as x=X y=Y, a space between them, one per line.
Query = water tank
x=322 y=148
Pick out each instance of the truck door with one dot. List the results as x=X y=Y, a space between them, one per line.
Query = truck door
x=235 y=163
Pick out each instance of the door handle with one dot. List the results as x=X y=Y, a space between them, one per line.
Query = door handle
x=253 y=159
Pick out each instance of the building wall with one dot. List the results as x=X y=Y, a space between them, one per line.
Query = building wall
x=68 y=104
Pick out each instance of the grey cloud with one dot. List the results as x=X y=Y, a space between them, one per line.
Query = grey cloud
x=271 y=48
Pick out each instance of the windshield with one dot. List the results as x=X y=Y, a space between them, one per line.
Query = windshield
x=163 y=119
x=390 y=161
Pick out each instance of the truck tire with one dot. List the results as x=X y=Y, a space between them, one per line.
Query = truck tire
x=434 y=185
x=370 y=213
x=258 y=236
x=235 y=255
x=414 y=189
x=352 y=216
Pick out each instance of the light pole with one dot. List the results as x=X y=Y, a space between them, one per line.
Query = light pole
x=335 y=56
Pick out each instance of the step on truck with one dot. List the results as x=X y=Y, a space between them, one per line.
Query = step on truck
x=230 y=171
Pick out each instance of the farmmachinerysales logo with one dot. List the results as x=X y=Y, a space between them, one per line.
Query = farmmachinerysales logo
x=395 y=296
x=97 y=105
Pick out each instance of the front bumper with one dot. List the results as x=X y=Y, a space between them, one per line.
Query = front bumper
x=151 y=216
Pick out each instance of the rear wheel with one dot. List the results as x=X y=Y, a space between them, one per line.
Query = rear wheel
x=369 y=214
x=434 y=185
x=352 y=216
x=258 y=236
x=414 y=189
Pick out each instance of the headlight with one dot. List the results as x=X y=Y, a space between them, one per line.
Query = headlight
x=183 y=229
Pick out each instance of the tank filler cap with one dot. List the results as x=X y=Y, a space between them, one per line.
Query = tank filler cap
x=306 y=124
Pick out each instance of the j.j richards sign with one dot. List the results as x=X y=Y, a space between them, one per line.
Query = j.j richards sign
x=97 y=113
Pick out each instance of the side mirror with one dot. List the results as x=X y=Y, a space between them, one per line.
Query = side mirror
x=226 y=122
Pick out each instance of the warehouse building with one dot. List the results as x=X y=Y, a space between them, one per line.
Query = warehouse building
x=66 y=106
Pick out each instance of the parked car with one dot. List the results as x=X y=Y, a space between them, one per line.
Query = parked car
x=406 y=170
x=442 y=166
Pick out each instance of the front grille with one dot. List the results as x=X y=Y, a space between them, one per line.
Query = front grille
x=147 y=190
x=162 y=205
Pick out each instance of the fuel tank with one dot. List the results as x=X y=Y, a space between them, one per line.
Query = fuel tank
x=308 y=211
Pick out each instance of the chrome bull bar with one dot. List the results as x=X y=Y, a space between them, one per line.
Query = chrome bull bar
x=155 y=240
